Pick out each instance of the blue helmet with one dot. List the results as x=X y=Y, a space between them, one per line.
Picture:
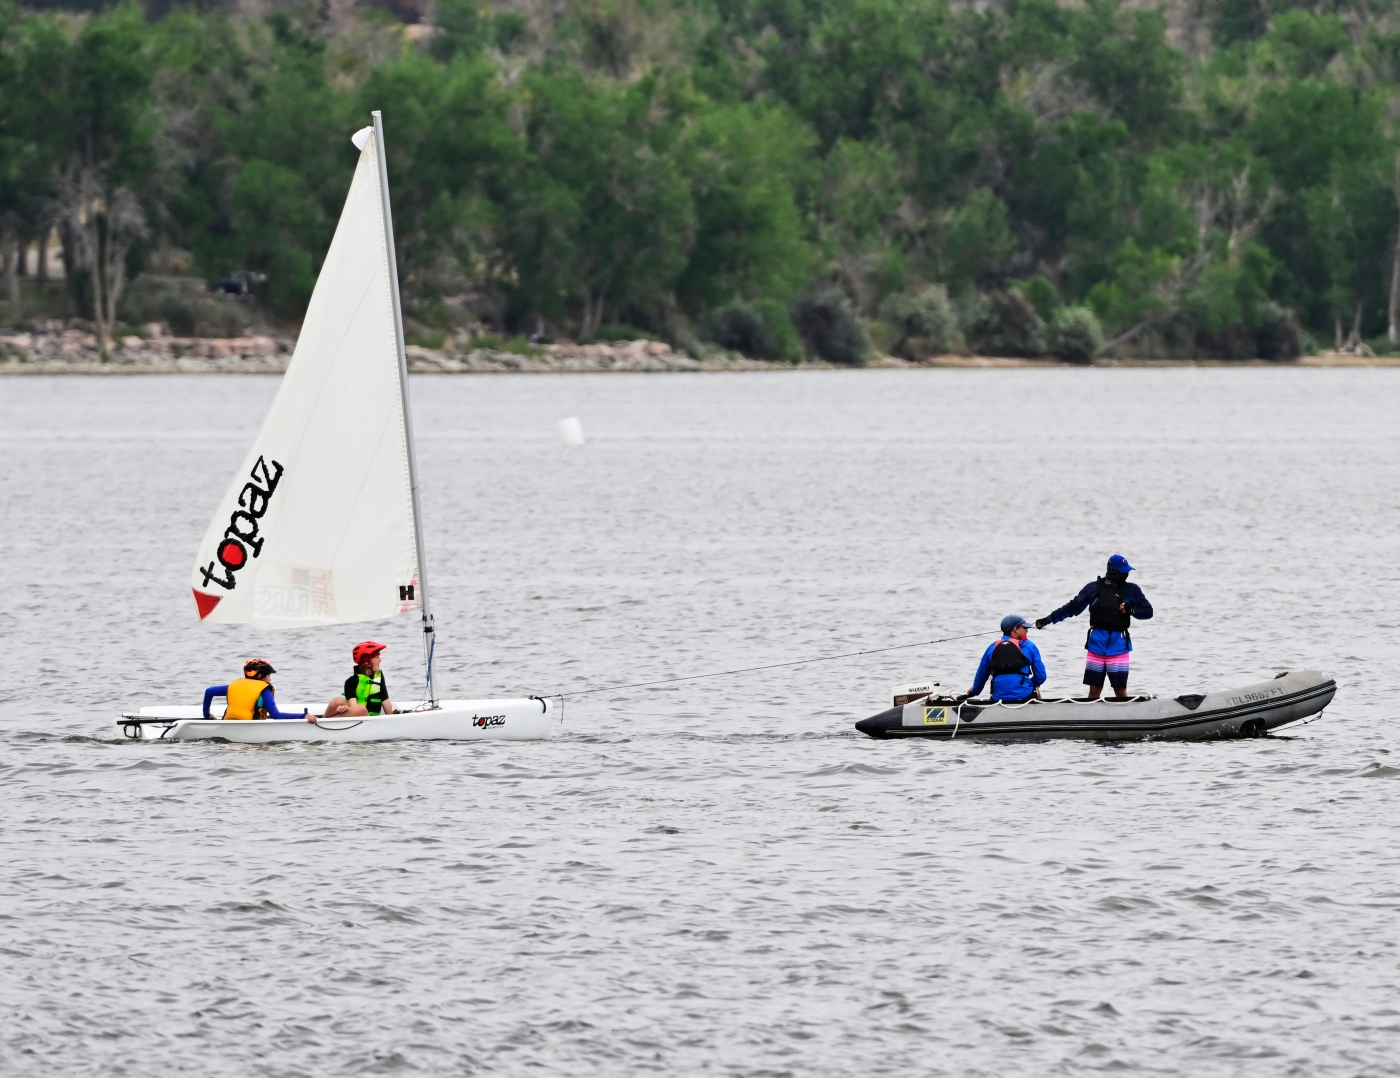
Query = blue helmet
x=1013 y=621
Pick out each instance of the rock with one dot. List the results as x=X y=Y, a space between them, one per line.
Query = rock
x=253 y=346
x=427 y=360
x=132 y=343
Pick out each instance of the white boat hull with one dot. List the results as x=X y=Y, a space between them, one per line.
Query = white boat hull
x=524 y=719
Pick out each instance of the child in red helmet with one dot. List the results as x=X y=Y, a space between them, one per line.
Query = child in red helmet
x=366 y=692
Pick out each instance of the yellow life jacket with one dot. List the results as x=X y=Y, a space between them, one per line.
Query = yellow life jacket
x=243 y=699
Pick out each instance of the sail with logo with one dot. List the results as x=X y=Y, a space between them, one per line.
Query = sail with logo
x=317 y=527
x=321 y=524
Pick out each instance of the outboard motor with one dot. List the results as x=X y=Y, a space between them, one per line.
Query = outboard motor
x=903 y=694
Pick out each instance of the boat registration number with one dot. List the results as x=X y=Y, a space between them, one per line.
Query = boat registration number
x=1256 y=697
x=935 y=716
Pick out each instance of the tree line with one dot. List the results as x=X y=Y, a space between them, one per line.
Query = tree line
x=784 y=177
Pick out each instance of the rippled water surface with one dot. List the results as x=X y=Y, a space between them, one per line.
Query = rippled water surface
x=723 y=876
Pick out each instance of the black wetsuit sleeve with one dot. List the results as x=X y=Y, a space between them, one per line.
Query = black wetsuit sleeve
x=1078 y=604
x=1137 y=603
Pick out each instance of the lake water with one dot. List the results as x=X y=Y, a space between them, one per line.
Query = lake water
x=720 y=877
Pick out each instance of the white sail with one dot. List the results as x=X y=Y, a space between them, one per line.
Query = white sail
x=317 y=527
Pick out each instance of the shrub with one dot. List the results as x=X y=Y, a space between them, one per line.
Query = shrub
x=780 y=339
x=971 y=309
x=1277 y=334
x=923 y=325
x=1003 y=324
x=735 y=326
x=1075 y=334
x=689 y=343
x=1043 y=296
x=189 y=308
x=761 y=329
x=623 y=332
x=427 y=338
x=516 y=345
x=827 y=322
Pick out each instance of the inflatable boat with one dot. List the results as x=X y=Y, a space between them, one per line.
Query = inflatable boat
x=1250 y=711
x=526 y=719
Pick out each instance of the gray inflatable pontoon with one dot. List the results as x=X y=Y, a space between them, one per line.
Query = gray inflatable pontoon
x=1247 y=712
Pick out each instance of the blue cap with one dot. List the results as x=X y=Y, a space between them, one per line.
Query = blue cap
x=1120 y=563
x=1014 y=621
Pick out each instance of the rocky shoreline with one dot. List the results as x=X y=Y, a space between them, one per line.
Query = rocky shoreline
x=73 y=351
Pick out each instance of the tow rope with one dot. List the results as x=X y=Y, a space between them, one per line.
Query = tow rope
x=768 y=666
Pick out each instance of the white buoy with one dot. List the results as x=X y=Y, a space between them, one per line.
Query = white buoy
x=571 y=431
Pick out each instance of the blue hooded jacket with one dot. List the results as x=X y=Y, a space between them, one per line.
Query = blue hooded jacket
x=1013 y=688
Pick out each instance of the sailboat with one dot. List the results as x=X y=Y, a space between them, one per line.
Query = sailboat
x=322 y=523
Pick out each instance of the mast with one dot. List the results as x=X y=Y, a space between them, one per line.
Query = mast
x=428 y=629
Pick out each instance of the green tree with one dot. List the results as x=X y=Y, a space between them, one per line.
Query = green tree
x=978 y=245
x=744 y=166
x=1122 y=55
x=603 y=216
x=859 y=195
x=103 y=112
x=455 y=165
x=277 y=225
x=19 y=153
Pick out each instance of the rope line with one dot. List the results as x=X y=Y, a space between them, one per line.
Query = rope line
x=769 y=666
x=429 y=648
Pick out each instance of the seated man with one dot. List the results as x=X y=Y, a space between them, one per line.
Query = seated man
x=251 y=696
x=366 y=692
x=1013 y=663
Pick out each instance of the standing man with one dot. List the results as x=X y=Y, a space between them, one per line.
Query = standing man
x=1112 y=604
x=1013 y=663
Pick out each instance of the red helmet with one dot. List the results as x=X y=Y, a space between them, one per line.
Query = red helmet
x=364 y=650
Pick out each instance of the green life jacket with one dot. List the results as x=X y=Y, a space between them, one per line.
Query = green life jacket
x=369 y=690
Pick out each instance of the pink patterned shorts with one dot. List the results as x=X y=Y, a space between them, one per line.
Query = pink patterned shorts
x=1115 y=666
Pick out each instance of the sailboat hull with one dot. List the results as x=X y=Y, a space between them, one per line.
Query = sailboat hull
x=527 y=719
